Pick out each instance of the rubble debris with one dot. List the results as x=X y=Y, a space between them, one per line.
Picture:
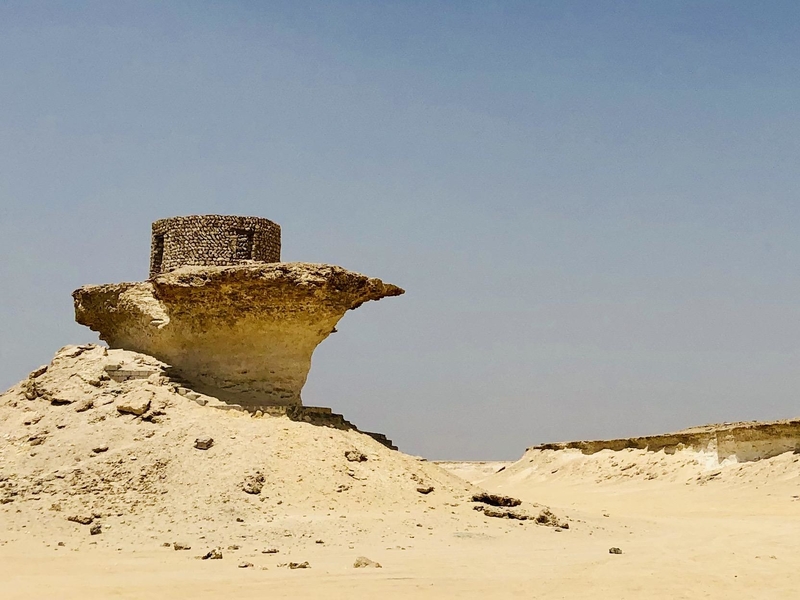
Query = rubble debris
x=495 y=499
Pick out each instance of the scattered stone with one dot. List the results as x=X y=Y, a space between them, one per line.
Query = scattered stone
x=253 y=484
x=82 y=519
x=37 y=439
x=546 y=517
x=502 y=512
x=166 y=545
x=214 y=554
x=29 y=389
x=100 y=449
x=180 y=546
x=38 y=372
x=270 y=551
x=233 y=547
x=204 y=442
x=425 y=490
x=496 y=500
x=96 y=529
x=245 y=565
x=320 y=542
x=61 y=544
x=32 y=419
x=55 y=506
x=355 y=456
x=363 y=562
x=84 y=405
x=614 y=550
x=302 y=565
x=133 y=404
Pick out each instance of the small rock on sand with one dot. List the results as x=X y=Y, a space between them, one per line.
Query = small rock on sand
x=302 y=565
x=214 y=554
x=180 y=546
x=204 y=442
x=253 y=484
x=96 y=529
x=245 y=565
x=362 y=562
x=133 y=404
x=82 y=519
x=425 y=489
x=355 y=456
x=614 y=550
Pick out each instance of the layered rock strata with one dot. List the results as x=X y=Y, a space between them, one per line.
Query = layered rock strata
x=243 y=334
x=742 y=441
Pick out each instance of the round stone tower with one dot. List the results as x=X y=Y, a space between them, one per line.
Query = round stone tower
x=213 y=240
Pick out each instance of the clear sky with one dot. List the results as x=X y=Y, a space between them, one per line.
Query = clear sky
x=593 y=206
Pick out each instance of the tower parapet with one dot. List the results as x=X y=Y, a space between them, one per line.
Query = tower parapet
x=212 y=240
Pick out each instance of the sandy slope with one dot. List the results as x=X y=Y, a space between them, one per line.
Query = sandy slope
x=78 y=445
x=693 y=520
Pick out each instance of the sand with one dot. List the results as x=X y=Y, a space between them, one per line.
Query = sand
x=688 y=524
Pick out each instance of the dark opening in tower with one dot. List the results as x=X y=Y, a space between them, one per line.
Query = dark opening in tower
x=158 y=253
x=243 y=247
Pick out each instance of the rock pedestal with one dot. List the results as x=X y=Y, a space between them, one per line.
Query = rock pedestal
x=244 y=334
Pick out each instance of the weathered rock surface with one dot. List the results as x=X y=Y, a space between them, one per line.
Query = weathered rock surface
x=243 y=334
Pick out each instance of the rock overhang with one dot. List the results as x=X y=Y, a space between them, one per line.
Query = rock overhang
x=242 y=333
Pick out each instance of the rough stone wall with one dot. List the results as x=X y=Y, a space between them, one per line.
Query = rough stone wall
x=212 y=240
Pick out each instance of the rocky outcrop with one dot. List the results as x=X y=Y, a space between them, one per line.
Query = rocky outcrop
x=744 y=441
x=244 y=334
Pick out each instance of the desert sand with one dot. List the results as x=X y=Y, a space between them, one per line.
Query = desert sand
x=150 y=469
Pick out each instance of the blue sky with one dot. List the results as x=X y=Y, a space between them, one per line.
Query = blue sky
x=592 y=205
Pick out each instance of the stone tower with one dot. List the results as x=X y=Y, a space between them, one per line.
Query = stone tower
x=212 y=240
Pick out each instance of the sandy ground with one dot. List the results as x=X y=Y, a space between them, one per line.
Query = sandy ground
x=688 y=526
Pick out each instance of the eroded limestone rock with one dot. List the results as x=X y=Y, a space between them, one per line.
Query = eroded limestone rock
x=244 y=334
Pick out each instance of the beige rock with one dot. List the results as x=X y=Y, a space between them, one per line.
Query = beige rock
x=269 y=318
x=134 y=404
x=363 y=562
x=204 y=442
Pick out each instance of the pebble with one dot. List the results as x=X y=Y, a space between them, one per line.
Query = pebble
x=204 y=442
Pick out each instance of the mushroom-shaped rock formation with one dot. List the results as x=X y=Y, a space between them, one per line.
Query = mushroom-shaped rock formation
x=244 y=334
